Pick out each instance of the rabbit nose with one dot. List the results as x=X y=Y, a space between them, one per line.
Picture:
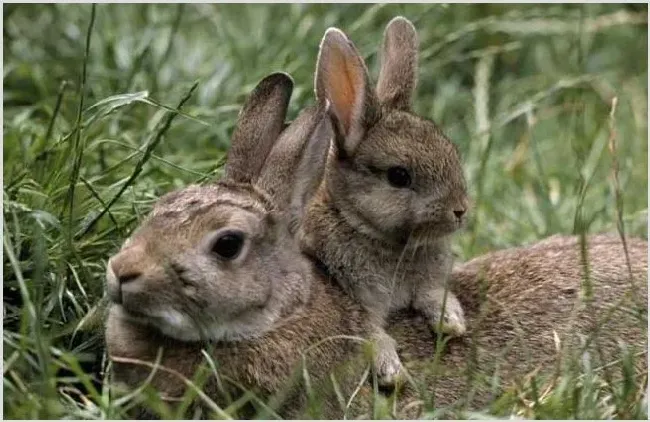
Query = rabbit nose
x=125 y=278
x=459 y=213
x=125 y=269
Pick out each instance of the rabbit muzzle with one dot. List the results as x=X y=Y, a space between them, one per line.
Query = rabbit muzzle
x=131 y=275
x=129 y=286
x=123 y=268
x=456 y=213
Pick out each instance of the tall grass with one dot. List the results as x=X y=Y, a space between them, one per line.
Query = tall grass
x=107 y=107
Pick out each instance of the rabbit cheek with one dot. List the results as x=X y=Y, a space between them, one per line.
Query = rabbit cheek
x=366 y=194
x=224 y=289
x=387 y=208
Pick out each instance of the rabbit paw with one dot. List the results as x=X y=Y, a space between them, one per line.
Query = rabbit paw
x=388 y=366
x=453 y=320
x=452 y=323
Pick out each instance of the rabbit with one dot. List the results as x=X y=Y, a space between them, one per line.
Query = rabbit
x=517 y=300
x=216 y=266
x=394 y=192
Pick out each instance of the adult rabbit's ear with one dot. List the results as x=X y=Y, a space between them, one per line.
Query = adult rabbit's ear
x=342 y=80
x=258 y=126
x=399 y=64
x=294 y=169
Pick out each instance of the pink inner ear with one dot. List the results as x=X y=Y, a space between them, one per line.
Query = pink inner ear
x=344 y=85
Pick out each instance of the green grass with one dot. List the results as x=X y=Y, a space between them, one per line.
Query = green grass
x=103 y=113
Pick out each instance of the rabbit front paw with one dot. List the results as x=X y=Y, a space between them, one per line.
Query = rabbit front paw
x=387 y=363
x=453 y=323
x=453 y=318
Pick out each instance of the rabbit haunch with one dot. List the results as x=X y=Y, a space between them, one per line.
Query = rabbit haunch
x=393 y=192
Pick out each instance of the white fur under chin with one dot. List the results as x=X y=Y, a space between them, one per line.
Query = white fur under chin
x=178 y=325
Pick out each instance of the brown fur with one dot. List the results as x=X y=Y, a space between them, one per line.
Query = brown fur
x=265 y=365
x=278 y=87
x=398 y=63
x=532 y=294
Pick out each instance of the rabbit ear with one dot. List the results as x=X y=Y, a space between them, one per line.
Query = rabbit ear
x=399 y=64
x=295 y=166
x=260 y=122
x=310 y=172
x=342 y=79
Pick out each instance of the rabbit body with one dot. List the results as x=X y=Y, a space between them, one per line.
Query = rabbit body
x=528 y=314
x=381 y=277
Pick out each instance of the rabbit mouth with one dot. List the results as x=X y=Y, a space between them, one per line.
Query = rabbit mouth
x=135 y=315
x=169 y=322
x=432 y=230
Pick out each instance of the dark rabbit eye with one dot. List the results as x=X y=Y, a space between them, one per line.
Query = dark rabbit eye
x=399 y=177
x=228 y=245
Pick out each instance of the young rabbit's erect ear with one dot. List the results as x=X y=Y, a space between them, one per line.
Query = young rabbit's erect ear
x=342 y=79
x=399 y=64
x=260 y=122
x=294 y=168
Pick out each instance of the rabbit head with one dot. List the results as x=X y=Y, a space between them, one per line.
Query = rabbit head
x=217 y=262
x=394 y=172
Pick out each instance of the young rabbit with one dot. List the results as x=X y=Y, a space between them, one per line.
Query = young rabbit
x=216 y=267
x=393 y=194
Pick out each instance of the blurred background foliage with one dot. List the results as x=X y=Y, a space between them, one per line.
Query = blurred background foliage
x=533 y=95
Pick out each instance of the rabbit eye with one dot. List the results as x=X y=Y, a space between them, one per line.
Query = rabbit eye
x=399 y=177
x=228 y=245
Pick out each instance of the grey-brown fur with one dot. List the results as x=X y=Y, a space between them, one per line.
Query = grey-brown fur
x=387 y=245
x=399 y=64
x=247 y=158
x=266 y=365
